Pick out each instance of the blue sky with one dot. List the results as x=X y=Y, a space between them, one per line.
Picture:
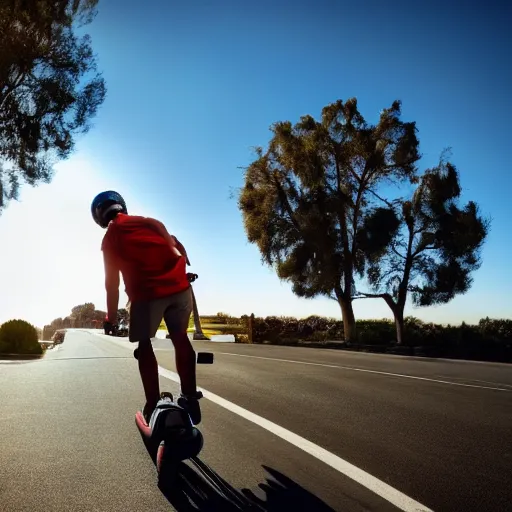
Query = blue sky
x=193 y=86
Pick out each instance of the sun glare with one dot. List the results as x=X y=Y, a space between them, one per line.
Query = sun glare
x=51 y=257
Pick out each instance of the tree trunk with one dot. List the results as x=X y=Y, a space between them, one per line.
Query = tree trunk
x=349 y=320
x=398 y=309
x=399 y=323
x=398 y=313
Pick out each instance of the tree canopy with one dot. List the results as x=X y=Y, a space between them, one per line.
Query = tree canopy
x=49 y=87
x=435 y=248
x=311 y=201
x=84 y=314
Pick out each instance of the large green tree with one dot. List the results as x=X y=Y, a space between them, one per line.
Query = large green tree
x=57 y=323
x=435 y=248
x=311 y=201
x=85 y=312
x=49 y=87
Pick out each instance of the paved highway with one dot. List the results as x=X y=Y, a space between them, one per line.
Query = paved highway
x=285 y=429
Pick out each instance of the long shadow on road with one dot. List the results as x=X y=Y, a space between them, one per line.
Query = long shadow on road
x=200 y=488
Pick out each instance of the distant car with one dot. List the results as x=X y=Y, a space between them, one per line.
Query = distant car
x=122 y=329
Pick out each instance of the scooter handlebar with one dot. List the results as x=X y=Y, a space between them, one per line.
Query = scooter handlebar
x=191 y=277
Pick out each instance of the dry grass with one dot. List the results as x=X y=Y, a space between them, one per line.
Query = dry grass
x=211 y=328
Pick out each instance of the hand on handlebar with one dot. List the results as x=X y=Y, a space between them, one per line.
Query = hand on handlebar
x=191 y=277
x=110 y=327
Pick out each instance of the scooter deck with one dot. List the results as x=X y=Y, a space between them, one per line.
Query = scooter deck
x=142 y=425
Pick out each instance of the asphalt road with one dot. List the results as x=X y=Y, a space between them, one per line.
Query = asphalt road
x=438 y=432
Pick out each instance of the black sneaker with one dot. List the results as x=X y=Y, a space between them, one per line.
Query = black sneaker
x=191 y=405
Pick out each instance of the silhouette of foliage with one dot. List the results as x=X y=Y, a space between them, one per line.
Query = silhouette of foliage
x=434 y=252
x=489 y=340
x=311 y=204
x=84 y=312
x=49 y=87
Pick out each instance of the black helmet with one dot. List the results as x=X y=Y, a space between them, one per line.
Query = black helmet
x=105 y=205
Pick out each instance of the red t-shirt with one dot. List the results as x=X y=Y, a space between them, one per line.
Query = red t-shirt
x=150 y=268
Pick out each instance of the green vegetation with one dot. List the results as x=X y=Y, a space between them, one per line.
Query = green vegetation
x=490 y=339
x=19 y=337
x=216 y=324
x=49 y=87
x=322 y=206
x=434 y=249
x=82 y=316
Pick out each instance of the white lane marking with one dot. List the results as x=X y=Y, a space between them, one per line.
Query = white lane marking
x=389 y=374
x=373 y=484
x=363 y=478
x=477 y=380
x=494 y=383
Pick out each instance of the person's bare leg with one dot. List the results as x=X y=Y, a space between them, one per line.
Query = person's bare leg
x=148 y=368
x=185 y=362
x=177 y=318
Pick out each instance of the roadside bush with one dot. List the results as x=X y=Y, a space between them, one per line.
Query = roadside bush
x=275 y=329
x=19 y=337
x=241 y=338
x=376 y=332
x=496 y=329
x=490 y=339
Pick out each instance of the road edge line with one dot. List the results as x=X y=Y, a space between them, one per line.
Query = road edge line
x=366 y=370
x=361 y=477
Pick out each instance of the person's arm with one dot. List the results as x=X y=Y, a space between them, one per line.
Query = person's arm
x=182 y=249
x=112 y=282
x=172 y=240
